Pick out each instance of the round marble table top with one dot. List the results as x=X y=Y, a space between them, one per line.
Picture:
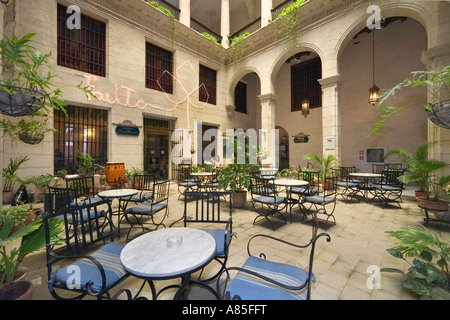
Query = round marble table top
x=117 y=193
x=366 y=174
x=168 y=253
x=290 y=182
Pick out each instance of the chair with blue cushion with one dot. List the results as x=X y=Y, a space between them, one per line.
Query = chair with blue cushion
x=347 y=187
x=312 y=189
x=139 y=214
x=185 y=181
x=87 y=261
x=325 y=199
x=389 y=188
x=262 y=279
x=205 y=210
x=86 y=194
x=265 y=199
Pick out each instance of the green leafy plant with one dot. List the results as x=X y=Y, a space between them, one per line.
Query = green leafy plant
x=38 y=181
x=86 y=164
x=30 y=131
x=323 y=164
x=237 y=46
x=428 y=274
x=33 y=238
x=422 y=170
x=288 y=23
x=9 y=173
x=290 y=172
x=436 y=83
x=169 y=13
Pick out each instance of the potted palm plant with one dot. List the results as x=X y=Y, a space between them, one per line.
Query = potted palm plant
x=20 y=236
x=324 y=165
x=9 y=174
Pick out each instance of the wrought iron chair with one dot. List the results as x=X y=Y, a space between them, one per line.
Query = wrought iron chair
x=143 y=183
x=85 y=191
x=264 y=193
x=262 y=279
x=312 y=177
x=204 y=209
x=389 y=188
x=144 y=210
x=185 y=182
x=88 y=239
x=326 y=198
x=346 y=185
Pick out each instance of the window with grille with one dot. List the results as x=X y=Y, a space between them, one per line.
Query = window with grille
x=305 y=84
x=208 y=78
x=84 y=129
x=158 y=60
x=82 y=49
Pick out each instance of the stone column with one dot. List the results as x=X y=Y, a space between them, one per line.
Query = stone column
x=225 y=22
x=268 y=136
x=185 y=12
x=266 y=13
x=330 y=115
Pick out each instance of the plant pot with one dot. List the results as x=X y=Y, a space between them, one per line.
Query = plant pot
x=22 y=102
x=432 y=204
x=239 y=199
x=440 y=115
x=421 y=194
x=27 y=138
x=7 y=197
x=18 y=290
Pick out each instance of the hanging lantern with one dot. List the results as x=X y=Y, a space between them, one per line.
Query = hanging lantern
x=373 y=94
x=374 y=91
x=305 y=107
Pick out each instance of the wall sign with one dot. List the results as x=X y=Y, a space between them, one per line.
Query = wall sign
x=301 y=138
x=127 y=128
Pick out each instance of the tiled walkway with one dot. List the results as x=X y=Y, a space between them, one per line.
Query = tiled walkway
x=358 y=240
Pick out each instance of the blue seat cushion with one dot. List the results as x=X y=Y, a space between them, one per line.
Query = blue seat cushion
x=304 y=191
x=320 y=199
x=347 y=184
x=140 y=197
x=89 y=201
x=249 y=287
x=86 y=214
x=188 y=183
x=147 y=208
x=108 y=256
x=269 y=200
x=264 y=191
x=222 y=238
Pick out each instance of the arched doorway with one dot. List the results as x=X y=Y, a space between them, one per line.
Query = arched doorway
x=283 y=154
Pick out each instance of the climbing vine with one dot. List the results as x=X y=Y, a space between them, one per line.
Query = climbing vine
x=288 y=24
x=169 y=13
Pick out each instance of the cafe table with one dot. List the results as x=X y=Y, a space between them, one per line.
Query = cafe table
x=124 y=196
x=289 y=184
x=169 y=254
x=366 y=178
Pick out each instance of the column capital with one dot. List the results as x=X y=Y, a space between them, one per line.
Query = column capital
x=330 y=81
x=435 y=54
x=268 y=97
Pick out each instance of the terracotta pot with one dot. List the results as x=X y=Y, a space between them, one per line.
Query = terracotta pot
x=422 y=194
x=18 y=290
x=239 y=199
x=431 y=204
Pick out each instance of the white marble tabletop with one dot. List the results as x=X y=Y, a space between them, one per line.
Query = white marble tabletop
x=168 y=253
x=117 y=193
x=366 y=174
x=203 y=174
x=290 y=182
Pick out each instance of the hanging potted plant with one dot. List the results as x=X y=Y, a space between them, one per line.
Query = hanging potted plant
x=28 y=131
x=437 y=84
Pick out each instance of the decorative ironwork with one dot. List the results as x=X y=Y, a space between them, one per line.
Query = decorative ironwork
x=440 y=114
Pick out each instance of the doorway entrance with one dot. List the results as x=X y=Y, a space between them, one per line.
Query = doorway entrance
x=156 y=146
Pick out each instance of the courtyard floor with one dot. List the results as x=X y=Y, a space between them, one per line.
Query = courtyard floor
x=358 y=241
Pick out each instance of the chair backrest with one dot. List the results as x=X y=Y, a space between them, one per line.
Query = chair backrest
x=161 y=190
x=390 y=177
x=262 y=186
x=84 y=226
x=84 y=185
x=268 y=172
x=58 y=200
x=342 y=173
x=207 y=207
x=184 y=172
x=311 y=176
x=143 y=182
x=378 y=167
